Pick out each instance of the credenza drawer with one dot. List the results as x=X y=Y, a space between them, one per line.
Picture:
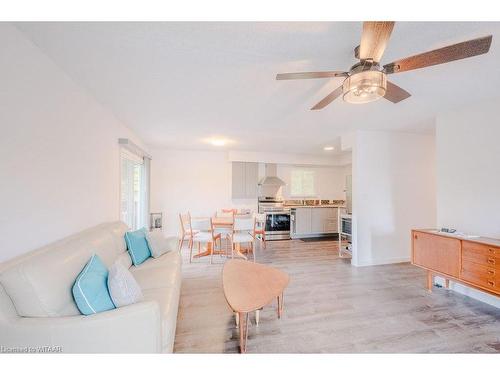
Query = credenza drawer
x=492 y=261
x=480 y=269
x=480 y=275
x=474 y=247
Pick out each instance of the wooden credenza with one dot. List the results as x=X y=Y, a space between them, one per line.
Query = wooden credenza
x=472 y=262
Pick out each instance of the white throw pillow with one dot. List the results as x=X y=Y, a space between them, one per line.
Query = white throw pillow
x=157 y=243
x=122 y=286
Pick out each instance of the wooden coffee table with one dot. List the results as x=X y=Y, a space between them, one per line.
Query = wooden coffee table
x=249 y=287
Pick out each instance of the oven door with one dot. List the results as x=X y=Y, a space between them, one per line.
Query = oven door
x=277 y=225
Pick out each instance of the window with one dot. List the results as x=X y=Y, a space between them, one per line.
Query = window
x=302 y=183
x=134 y=189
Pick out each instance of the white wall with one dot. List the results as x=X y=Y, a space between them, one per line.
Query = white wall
x=468 y=170
x=195 y=181
x=393 y=192
x=468 y=175
x=200 y=182
x=59 y=155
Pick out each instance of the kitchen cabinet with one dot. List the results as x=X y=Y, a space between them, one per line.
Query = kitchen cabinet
x=245 y=177
x=314 y=221
x=318 y=219
x=332 y=221
x=303 y=221
x=251 y=179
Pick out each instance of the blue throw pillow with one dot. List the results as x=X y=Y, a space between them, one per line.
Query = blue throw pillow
x=137 y=246
x=90 y=289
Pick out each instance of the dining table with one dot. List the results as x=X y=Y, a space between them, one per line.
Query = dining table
x=222 y=222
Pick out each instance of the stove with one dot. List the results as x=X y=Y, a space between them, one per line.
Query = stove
x=277 y=224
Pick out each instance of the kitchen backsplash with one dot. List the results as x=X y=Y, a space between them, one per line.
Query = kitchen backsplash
x=314 y=202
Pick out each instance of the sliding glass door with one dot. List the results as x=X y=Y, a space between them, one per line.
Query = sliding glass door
x=134 y=191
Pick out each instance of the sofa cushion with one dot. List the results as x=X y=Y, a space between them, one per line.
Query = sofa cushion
x=165 y=259
x=157 y=243
x=123 y=288
x=157 y=277
x=91 y=288
x=137 y=246
x=39 y=283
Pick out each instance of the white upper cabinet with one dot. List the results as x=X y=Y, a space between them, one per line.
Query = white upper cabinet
x=245 y=178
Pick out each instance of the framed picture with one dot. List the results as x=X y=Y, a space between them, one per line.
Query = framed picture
x=155 y=221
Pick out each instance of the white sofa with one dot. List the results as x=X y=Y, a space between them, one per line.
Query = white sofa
x=37 y=307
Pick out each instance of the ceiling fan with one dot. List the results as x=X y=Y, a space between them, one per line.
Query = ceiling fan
x=367 y=81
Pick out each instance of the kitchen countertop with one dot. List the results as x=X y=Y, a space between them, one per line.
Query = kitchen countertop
x=463 y=236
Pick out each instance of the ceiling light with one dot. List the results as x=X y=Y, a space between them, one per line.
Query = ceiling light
x=365 y=86
x=328 y=148
x=218 y=142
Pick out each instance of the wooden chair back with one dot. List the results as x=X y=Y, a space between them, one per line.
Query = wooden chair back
x=225 y=213
x=185 y=220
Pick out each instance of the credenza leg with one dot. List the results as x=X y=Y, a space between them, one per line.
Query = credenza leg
x=447 y=283
x=430 y=280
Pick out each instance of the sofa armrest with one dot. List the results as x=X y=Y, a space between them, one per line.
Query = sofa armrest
x=173 y=243
x=130 y=329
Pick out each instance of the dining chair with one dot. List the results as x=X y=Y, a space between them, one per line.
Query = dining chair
x=242 y=233
x=259 y=231
x=206 y=235
x=226 y=212
x=225 y=232
x=186 y=231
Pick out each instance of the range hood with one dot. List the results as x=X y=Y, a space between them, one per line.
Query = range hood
x=270 y=178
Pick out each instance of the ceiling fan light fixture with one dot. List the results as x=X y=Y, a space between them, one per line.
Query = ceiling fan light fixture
x=364 y=87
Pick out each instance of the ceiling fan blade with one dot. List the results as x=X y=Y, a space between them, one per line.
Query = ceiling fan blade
x=395 y=94
x=328 y=99
x=307 y=75
x=443 y=55
x=374 y=40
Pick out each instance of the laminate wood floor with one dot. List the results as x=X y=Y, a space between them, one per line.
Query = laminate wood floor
x=332 y=307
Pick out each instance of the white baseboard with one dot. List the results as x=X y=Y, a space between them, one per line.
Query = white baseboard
x=378 y=262
x=470 y=292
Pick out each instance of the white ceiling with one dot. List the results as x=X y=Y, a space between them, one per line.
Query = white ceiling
x=177 y=84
